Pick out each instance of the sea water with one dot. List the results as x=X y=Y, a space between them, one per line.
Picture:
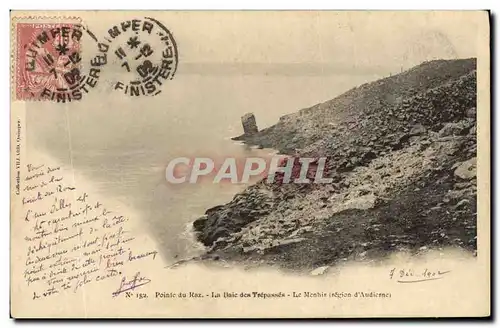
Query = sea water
x=122 y=145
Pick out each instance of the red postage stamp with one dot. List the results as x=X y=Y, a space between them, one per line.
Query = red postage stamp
x=48 y=58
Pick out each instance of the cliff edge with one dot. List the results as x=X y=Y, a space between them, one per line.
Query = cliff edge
x=402 y=155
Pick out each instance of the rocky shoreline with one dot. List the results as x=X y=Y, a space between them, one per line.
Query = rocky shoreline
x=402 y=155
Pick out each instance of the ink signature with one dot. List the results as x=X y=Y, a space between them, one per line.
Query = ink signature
x=137 y=281
x=406 y=275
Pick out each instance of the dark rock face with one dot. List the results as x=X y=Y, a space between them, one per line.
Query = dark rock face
x=466 y=170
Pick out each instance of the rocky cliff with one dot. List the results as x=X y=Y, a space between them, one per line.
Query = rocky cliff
x=401 y=152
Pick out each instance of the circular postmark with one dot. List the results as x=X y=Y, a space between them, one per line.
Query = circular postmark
x=146 y=53
x=48 y=60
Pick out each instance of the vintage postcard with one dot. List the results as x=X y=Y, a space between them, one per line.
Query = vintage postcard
x=250 y=164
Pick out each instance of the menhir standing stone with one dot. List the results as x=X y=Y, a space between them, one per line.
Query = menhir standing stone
x=249 y=124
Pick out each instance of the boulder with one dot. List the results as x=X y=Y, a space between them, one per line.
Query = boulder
x=319 y=271
x=417 y=129
x=224 y=220
x=424 y=144
x=199 y=224
x=361 y=203
x=249 y=124
x=462 y=204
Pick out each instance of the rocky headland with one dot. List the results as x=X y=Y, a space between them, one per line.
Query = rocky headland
x=402 y=155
